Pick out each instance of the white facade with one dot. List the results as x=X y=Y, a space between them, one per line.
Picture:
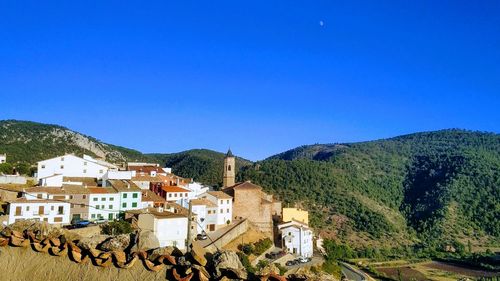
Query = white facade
x=53 y=212
x=73 y=166
x=130 y=200
x=201 y=215
x=196 y=189
x=52 y=180
x=117 y=175
x=297 y=238
x=12 y=179
x=224 y=203
x=103 y=204
x=170 y=229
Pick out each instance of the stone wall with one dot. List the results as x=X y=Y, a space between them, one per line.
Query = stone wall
x=237 y=230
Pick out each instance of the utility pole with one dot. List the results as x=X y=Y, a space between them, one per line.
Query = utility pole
x=190 y=216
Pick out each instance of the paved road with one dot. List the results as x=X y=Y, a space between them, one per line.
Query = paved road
x=352 y=273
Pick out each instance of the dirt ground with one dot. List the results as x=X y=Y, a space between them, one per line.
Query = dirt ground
x=24 y=264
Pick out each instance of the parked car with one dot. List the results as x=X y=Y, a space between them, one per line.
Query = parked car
x=275 y=255
x=79 y=224
x=291 y=263
x=303 y=260
x=100 y=221
x=201 y=236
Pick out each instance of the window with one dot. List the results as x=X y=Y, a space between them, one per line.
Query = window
x=102 y=206
x=84 y=196
x=84 y=171
x=134 y=205
x=58 y=219
x=62 y=166
x=39 y=196
x=43 y=166
x=72 y=205
x=227 y=201
x=52 y=208
x=175 y=194
x=180 y=194
x=71 y=197
x=110 y=216
x=27 y=208
x=111 y=199
x=209 y=212
x=18 y=211
x=60 y=210
x=221 y=202
x=185 y=194
x=221 y=211
x=227 y=211
x=100 y=171
x=229 y=167
x=170 y=195
x=124 y=205
x=97 y=207
x=62 y=158
x=111 y=207
x=95 y=198
x=103 y=199
x=93 y=216
x=124 y=195
x=84 y=163
x=134 y=195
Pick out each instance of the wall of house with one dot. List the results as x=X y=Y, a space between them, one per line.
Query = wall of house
x=201 y=213
x=105 y=206
x=79 y=206
x=51 y=212
x=70 y=166
x=12 y=179
x=248 y=204
x=130 y=200
x=297 y=241
x=172 y=232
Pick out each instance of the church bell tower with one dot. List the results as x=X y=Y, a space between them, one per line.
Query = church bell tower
x=229 y=170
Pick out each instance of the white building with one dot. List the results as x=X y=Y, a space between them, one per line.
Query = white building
x=73 y=166
x=151 y=200
x=224 y=204
x=3 y=158
x=196 y=189
x=129 y=194
x=104 y=203
x=169 y=228
x=206 y=215
x=51 y=211
x=297 y=238
x=117 y=175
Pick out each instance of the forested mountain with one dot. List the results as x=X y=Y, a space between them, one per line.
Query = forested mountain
x=201 y=164
x=428 y=189
x=437 y=187
x=29 y=142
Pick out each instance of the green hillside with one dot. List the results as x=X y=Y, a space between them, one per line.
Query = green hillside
x=437 y=187
x=201 y=164
x=29 y=142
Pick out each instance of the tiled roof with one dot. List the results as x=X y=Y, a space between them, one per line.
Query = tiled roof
x=124 y=185
x=13 y=187
x=146 y=169
x=244 y=185
x=66 y=189
x=24 y=200
x=203 y=201
x=174 y=189
x=84 y=180
x=219 y=195
x=101 y=190
x=150 y=196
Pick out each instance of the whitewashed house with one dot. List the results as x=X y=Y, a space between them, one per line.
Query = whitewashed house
x=170 y=229
x=104 y=203
x=129 y=194
x=48 y=210
x=205 y=212
x=70 y=165
x=224 y=205
x=3 y=158
x=297 y=238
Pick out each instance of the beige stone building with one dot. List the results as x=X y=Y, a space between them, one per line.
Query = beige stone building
x=290 y=214
x=229 y=170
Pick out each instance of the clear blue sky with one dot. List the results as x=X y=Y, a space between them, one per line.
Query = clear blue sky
x=259 y=76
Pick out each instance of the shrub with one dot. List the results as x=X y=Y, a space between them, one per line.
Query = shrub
x=261 y=246
x=282 y=269
x=248 y=249
x=246 y=262
x=116 y=228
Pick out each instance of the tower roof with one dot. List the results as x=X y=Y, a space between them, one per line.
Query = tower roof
x=229 y=153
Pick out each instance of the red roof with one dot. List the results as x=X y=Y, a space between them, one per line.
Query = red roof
x=174 y=189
